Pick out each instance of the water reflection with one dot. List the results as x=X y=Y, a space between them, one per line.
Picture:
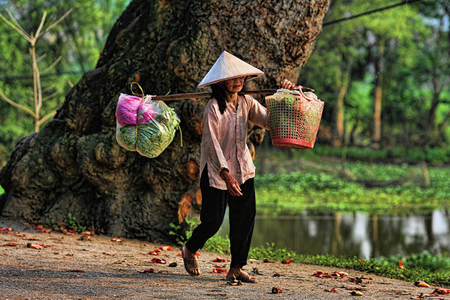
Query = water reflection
x=357 y=234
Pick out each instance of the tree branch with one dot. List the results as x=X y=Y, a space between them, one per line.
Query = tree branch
x=38 y=31
x=53 y=95
x=57 y=22
x=22 y=33
x=17 y=105
x=46 y=118
x=52 y=66
x=15 y=21
x=41 y=57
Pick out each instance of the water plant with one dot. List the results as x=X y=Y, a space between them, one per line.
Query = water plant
x=315 y=191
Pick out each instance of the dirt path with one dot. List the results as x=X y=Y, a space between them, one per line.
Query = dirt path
x=70 y=268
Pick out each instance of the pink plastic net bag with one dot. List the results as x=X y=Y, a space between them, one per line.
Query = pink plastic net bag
x=131 y=110
x=145 y=125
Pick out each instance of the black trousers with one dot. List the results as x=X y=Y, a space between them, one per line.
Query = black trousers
x=242 y=211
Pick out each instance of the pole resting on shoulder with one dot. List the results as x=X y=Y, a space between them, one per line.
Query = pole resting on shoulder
x=184 y=96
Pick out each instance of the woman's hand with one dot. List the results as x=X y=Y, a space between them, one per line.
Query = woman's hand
x=232 y=185
x=287 y=84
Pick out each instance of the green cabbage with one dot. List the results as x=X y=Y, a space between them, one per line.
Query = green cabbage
x=151 y=138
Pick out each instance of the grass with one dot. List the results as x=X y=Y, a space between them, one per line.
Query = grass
x=425 y=267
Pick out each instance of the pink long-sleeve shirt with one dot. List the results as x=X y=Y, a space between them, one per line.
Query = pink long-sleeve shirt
x=224 y=141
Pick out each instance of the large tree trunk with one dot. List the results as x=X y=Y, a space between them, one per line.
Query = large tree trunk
x=74 y=163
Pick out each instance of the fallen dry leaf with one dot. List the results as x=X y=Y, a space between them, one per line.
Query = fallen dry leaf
x=165 y=248
x=117 y=240
x=66 y=231
x=421 y=283
x=321 y=274
x=154 y=252
x=35 y=246
x=356 y=293
x=401 y=265
x=339 y=274
x=359 y=280
x=12 y=244
x=147 y=271
x=269 y=261
x=219 y=259
x=158 y=260
x=256 y=271
x=6 y=229
x=41 y=228
x=276 y=290
x=85 y=238
x=220 y=270
x=287 y=261
x=333 y=290
x=441 y=291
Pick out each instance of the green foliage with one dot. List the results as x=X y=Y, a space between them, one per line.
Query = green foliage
x=217 y=244
x=426 y=267
x=409 y=44
x=272 y=253
x=181 y=235
x=1 y=190
x=424 y=261
x=73 y=224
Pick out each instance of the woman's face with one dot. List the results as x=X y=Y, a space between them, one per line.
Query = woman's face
x=234 y=85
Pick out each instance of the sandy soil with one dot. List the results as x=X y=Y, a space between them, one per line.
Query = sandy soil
x=71 y=268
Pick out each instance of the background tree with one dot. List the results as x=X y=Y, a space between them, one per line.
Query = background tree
x=379 y=58
x=74 y=163
x=78 y=41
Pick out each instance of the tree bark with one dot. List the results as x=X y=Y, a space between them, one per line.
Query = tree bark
x=376 y=135
x=74 y=164
x=343 y=80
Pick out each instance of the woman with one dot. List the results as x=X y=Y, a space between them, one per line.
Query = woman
x=226 y=165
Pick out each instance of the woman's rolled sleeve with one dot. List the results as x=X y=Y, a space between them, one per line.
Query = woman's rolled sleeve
x=258 y=114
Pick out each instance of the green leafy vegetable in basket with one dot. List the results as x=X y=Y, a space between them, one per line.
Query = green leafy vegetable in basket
x=282 y=112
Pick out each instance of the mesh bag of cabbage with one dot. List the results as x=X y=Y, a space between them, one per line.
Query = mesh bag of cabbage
x=145 y=125
x=294 y=118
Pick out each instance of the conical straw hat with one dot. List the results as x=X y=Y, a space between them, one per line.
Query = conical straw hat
x=227 y=67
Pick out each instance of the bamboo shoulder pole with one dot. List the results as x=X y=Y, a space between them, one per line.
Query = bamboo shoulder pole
x=184 y=96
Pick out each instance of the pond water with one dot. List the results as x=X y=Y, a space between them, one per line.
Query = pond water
x=357 y=234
